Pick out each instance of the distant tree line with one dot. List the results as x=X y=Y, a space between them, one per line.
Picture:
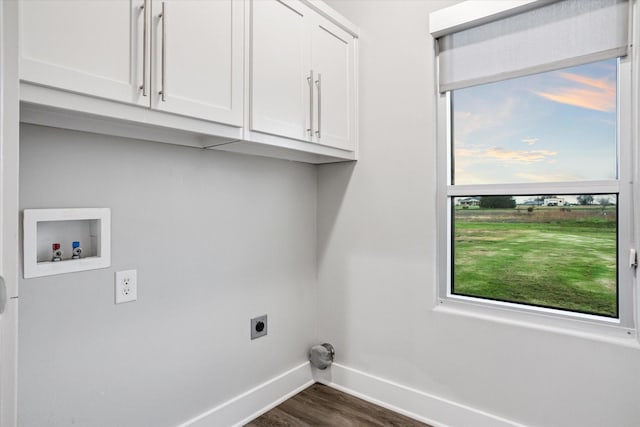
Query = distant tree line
x=585 y=199
x=508 y=202
x=497 y=202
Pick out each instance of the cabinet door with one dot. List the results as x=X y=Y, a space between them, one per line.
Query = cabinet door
x=280 y=66
x=333 y=61
x=198 y=58
x=91 y=47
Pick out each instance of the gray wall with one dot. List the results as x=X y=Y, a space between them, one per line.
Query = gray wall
x=216 y=238
x=377 y=261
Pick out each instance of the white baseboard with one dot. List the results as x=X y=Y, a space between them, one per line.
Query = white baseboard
x=255 y=402
x=413 y=403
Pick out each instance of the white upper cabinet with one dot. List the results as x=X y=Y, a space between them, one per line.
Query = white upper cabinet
x=198 y=58
x=280 y=69
x=334 y=84
x=302 y=77
x=272 y=78
x=92 y=47
x=103 y=48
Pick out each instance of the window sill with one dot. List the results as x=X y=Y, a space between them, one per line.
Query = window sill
x=610 y=334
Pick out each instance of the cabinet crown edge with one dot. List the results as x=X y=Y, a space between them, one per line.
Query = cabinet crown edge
x=333 y=15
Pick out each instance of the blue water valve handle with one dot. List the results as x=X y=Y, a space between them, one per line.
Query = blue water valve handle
x=77 y=250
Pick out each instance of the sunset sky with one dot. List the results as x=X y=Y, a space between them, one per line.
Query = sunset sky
x=555 y=126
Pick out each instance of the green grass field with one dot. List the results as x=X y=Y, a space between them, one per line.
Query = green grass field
x=554 y=257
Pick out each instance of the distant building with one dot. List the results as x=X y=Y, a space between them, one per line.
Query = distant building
x=554 y=201
x=469 y=201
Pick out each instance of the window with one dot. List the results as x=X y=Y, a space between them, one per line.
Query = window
x=533 y=125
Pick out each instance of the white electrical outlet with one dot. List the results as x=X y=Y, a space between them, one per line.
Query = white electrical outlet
x=126 y=288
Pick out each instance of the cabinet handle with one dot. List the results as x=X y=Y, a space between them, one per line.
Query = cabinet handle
x=144 y=49
x=163 y=15
x=319 y=86
x=310 y=81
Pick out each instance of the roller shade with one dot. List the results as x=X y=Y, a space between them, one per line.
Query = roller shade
x=556 y=35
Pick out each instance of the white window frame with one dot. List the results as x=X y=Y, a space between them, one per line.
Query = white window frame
x=626 y=323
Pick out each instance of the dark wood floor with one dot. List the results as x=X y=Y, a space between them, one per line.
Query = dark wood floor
x=320 y=405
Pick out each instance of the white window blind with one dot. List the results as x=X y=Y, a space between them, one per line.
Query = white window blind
x=556 y=35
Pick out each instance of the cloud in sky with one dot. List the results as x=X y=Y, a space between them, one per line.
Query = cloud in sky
x=545 y=177
x=519 y=155
x=467 y=122
x=530 y=141
x=502 y=154
x=584 y=92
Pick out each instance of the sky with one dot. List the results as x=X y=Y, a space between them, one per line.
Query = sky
x=557 y=126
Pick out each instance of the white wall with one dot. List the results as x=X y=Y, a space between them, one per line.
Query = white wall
x=216 y=238
x=377 y=260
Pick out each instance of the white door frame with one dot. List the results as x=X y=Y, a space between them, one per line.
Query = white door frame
x=9 y=210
